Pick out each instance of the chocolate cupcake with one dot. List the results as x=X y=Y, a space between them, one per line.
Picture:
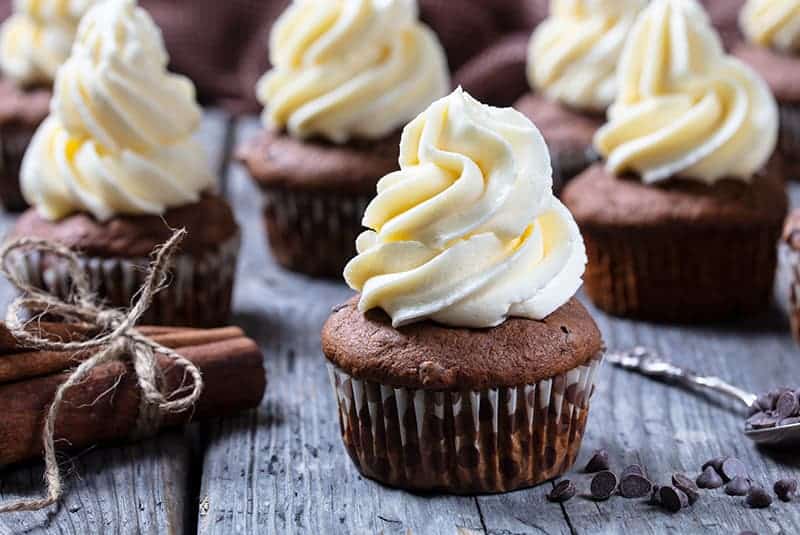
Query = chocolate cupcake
x=346 y=76
x=572 y=61
x=682 y=222
x=466 y=365
x=772 y=48
x=34 y=41
x=115 y=165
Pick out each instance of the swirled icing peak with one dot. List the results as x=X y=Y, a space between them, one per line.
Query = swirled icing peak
x=468 y=231
x=684 y=107
x=772 y=23
x=119 y=136
x=37 y=38
x=350 y=68
x=573 y=54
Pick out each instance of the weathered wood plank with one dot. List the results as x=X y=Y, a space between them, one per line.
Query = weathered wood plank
x=283 y=469
x=141 y=488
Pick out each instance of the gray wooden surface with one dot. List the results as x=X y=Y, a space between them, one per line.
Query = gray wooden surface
x=282 y=469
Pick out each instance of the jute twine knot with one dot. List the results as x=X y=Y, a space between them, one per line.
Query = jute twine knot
x=117 y=340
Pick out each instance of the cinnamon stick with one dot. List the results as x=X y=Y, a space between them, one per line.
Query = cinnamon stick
x=105 y=407
x=20 y=364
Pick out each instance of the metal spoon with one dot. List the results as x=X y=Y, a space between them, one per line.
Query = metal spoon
x=646 y=362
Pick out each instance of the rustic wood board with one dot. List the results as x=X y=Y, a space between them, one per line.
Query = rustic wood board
x=142 y=488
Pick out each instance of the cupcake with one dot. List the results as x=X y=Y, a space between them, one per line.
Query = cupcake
x=115 y=166
x=466 y=364
x=34 y=41
x=790 y=270
x=572 y=59
x=772 y=48
x=724 y=16
x=347 y=74
x=682 y=221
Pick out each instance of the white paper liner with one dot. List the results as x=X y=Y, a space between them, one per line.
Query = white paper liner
x=493 y=440
x=788 y=280
x=199 y=291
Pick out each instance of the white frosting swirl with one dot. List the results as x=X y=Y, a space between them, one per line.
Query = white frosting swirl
x=36 y=40
x=350 y=68
x=772 y=23
x=468 y=231
x=119 y=137
x=685 y=107
x=573 y=54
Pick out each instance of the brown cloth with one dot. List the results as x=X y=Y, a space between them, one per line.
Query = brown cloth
x=222 y=45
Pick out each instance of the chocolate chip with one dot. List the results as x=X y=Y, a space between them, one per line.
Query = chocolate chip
x=785 y=489
x=786 y=405
x=598 y=462
x=672 y=499
x=688 y=487
x=761 y=420
x=738 y=486
x=632 y=469
x=748 y=533
x=758 y=498
x=563 y=491
x=715 y=463
x=603 y=485
x=731 y=468
x=766 y=402
x=709 y=479
x=635 y=486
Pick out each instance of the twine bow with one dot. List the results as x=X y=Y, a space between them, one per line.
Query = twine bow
x=118 y=339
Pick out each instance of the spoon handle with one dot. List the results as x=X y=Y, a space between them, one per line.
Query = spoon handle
x=648 y=363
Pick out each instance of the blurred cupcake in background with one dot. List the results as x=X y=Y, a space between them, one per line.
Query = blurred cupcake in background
x=34 y=42
x=682 y=222
x=772 y=29
x=572 y=61
x=115 y=167
x=346 y=76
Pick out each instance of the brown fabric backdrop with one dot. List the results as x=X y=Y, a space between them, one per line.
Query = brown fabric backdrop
x=222 y=44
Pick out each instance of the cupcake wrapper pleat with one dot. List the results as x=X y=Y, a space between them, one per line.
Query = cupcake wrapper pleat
x=14 y=142
x=789 y=286
x=466 y=442
x=198 y=295
x=669 y=275
x=313 y=233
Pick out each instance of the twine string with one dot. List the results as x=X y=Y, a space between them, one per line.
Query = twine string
x=117 y=340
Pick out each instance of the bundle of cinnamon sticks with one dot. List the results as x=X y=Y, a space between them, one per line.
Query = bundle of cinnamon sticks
x=105 y=406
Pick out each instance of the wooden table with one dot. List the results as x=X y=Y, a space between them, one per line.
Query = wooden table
x=282 y=469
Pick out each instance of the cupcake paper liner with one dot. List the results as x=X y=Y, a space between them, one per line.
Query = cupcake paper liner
x=789 y=282
x=681 y=275
x=466 y=442
x=789 y=139
x=313 y=233
x=14 y=141
x=198 y=295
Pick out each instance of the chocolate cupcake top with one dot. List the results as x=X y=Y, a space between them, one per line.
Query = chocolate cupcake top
x=773 y=24
x=468 y=232
x=36 y=40
x=119 y=137
x=573 y=54
x=685 y=108
x=350 y=68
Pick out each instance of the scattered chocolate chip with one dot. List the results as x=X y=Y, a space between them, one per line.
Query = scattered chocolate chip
x=738 y=486
x=748 y=533
x=766 y=402
x=785 y=489
x=655 y=496
x=563 y=491
x=598 y=462
x=758 y=498
x=761 y=420
x=731 y=468
x=688 y=487
x=603 y=485
x=632 y=469
x=709 y=479
x=672 y=499
x=715 y=463
x=787 y=405
x=635 y=486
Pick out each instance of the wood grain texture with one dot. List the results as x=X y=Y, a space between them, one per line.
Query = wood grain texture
x=141 y=488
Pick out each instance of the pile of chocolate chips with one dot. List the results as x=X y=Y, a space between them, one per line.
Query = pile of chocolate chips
x=682 y=492
x=777 y=407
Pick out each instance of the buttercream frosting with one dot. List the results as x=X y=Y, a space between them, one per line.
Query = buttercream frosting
x=350 y=68
x=468 y=232
x=772 y=23
x=119 y=136
x=684 y=107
